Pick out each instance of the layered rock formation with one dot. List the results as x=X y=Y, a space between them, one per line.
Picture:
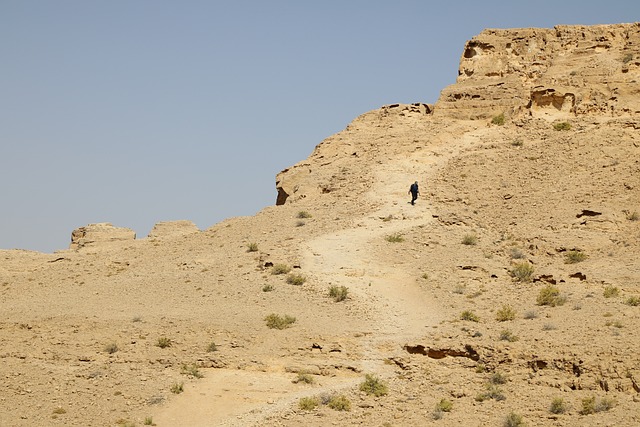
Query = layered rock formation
x=563 y=71
x=99 y=233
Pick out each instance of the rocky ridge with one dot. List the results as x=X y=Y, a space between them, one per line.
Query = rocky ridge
x=529 y=162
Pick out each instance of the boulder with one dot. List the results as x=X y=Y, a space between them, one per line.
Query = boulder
x=94 y=234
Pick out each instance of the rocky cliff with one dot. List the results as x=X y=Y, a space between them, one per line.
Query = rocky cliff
x=564 y=71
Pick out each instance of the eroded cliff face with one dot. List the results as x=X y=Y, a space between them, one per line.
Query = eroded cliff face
x=564 y=71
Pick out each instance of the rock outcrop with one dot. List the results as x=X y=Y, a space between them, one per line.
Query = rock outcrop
x=564 y=71
x=172 y=229
x=93 y=234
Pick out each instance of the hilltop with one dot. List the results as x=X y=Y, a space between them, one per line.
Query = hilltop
x=513 y=284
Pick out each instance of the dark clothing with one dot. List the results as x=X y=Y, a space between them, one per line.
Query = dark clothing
x=414 y=192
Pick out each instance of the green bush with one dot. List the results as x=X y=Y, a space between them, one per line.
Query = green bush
x=280 y=269
x=610 y=291
x=296 y=279
x=338 y=293
x=469 y=239
x=562 y=126
x=469 y=315
x=304 y=215
x=177 y=388
x=558 y=406
x=507 y=335
x=514 y=420
x=633 y=301
x=373 y=385
x=339 y=403
x=498 y=378
x=111 y=348
x=550 y=295
x=191 y=370
x=267 y=288
x=252 y=247
x=633 y=216
x=573 y=257
x=275 y=321
x=522 y=271
x=498 y=120
x=444 y=405
x=395 y=238
x=303 y=377
x=164 y=342
x=308 y=403
x=505 y=313
x=212 y=347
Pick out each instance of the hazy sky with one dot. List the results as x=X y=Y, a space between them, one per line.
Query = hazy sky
x=139 y=111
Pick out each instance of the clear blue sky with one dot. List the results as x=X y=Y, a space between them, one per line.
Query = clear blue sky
x=139 y=111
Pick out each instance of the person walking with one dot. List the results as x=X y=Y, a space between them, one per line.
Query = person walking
x=413 y=190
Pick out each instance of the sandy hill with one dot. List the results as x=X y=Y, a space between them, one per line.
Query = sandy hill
x=509 y=294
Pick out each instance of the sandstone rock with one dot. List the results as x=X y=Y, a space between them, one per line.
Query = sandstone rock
x=93 y=234
x=559 y=72
x=172 y=229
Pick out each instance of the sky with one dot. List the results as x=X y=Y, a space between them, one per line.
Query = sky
x=139 y=111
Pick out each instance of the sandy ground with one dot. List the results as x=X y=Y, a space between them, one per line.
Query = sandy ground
x=170 y=330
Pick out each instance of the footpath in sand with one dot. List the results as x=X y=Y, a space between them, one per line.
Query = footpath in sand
x=398 y=311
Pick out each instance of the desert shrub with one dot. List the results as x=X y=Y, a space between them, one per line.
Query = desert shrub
x=492 y=392
x=610 y=291
x=604 y=404
x=303 y=377
x=517 y=143
x=267 y=288
x=531 y=314
x=136 y=319
x=125 y=423
x=507 y=335
x=212 y=347
x=275 y=321
x=280 y=269
x=373 y=385
x=514 y=420
x=191 y=370
x=111 y=348
x=395 y=238
x=469 y=315
x=300 y=223
x=550 y=295
x=627 y=58
x=498 y=120
x=425 y=276
x=252 y=247
x=562 y=126
x=558 y=406
x=177 y=388
x=59 y=410
x=338 y=293
x=148 y=421
x=633 y=216
x=308 y=403
x=549 y=327
x=339 y=403
x=303 y=215
x=505 y=313
x=296 y=279
x=469 y=239
x=588 y=405
x=591 y=405
x=522 y=271
x=164 y=342
x=633 y=301
x=444 y=405
x=498 y=378
x=516 y=253
x=573 y=257
x=459 y=289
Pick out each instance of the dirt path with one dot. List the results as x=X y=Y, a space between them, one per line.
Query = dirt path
x=399 y=310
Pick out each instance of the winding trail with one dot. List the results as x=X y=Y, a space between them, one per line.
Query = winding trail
x=400 y=311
